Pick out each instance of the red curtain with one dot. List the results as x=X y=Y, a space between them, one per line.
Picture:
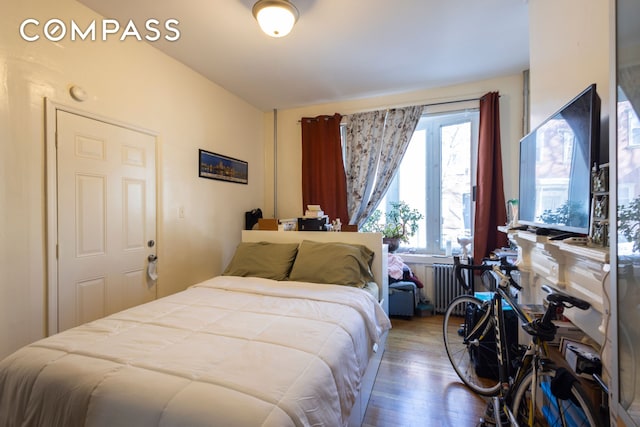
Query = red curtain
x=323 y=178
x=491 y=210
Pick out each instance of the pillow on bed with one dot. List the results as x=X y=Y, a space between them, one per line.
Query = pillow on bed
x=334 y=263
x=262 y=259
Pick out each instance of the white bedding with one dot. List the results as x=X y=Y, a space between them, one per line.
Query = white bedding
x=229 y=351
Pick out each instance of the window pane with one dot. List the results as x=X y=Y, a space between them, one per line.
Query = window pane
x=456 y=181
x=412 y=181
x=436 y=176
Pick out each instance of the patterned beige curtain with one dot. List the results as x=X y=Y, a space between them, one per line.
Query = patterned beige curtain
x=375 y=144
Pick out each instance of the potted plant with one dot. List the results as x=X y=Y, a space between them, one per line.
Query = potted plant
x=401 y=222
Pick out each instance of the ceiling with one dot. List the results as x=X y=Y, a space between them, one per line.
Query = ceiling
x=339 y=49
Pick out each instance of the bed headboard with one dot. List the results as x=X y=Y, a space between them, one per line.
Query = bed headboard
x=371 y=240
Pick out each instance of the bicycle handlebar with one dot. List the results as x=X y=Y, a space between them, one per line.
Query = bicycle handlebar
x=503 y=269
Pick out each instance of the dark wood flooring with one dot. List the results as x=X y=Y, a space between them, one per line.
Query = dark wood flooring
x=416 y=385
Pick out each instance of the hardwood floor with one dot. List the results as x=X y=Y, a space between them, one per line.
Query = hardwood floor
x=416 y=385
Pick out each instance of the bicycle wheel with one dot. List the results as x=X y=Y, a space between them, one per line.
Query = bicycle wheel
x=551 y=410
x=475 y=361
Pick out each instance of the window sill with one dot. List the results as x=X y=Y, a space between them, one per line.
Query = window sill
x=425 y=258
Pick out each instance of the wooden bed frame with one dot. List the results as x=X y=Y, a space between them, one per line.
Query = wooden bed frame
x=379 y=268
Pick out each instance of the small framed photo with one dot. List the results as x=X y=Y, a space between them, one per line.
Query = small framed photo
x=223 y=168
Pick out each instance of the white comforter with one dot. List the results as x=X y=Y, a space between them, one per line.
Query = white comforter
x=227 y=352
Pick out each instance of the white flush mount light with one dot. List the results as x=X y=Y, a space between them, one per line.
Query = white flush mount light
x=275 y=17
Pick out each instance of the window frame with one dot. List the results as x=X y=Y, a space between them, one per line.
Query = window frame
x=433 y=222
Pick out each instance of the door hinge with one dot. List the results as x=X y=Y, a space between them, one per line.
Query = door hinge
x=57 y=247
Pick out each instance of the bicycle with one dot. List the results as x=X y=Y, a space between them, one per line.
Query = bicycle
x=525 y=387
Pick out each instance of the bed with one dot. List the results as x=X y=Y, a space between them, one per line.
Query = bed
x=238 y=349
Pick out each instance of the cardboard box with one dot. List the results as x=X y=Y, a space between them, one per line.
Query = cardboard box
x=267 y=224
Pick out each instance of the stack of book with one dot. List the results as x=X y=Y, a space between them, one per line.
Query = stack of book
x=566 y=329
x=314 y=211
x=314 y=219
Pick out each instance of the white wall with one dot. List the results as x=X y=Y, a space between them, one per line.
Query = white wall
x=289 y=151
x=131 y=82
x=569 y=50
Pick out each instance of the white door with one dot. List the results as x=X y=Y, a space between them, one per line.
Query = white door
x=106 y=202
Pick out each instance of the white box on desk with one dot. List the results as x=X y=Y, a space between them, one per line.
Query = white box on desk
x=582 y=358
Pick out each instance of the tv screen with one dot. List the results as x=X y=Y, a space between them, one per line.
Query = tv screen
x=555 y=167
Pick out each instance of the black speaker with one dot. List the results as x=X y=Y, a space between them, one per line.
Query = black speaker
x=251 y=218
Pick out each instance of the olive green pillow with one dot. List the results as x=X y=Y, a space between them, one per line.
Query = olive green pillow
x=262 y=259
x=333 y=263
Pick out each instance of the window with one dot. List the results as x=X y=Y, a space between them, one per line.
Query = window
x=634 y=127
x=436 y=177
x=628 y=195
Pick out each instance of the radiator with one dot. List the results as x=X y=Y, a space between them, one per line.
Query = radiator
x=446 y=287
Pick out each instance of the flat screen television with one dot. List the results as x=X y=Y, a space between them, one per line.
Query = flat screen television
x=555 y=167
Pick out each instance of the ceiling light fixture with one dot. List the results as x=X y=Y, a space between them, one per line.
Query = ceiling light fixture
x=275 y=17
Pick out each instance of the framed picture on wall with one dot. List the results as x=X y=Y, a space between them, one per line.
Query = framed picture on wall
x=223 y=168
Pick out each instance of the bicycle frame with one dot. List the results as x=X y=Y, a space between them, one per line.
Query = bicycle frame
x=529 y=390
x=529 y=359
x=496 y=312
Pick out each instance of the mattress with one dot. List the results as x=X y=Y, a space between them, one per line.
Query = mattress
x=229 y=351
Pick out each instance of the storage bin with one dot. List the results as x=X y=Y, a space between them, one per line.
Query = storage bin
x=402 y=299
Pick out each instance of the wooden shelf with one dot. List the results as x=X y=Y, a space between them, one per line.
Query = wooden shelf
x=579 y=270
x=592 y=252
x=595 y=253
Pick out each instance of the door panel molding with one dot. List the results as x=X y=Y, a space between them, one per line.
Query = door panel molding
x=89 y=147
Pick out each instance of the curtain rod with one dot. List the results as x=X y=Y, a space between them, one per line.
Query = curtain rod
x=451 y=102
x=315 y=119
x=432 y=104
x=425 y=105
